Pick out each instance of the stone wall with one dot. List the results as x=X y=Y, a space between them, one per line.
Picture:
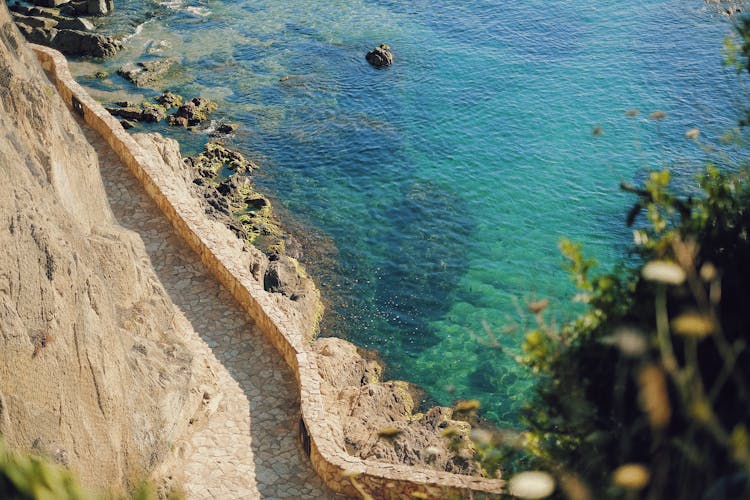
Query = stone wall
x=340 y=471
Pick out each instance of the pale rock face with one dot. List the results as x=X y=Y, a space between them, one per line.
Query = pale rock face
x=93 y=371
x=361 y=409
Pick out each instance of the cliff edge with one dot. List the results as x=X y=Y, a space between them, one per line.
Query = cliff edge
x=93 y=369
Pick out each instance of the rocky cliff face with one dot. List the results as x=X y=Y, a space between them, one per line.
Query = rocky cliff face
x=93 y=371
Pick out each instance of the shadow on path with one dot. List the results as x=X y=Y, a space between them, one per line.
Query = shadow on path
x=249 y=448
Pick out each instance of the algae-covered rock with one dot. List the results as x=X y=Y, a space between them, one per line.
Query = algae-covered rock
x=170 y=100
x=193 y=112
x=145 y=74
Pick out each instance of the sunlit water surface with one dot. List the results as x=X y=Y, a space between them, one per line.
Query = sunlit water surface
x=430 y=196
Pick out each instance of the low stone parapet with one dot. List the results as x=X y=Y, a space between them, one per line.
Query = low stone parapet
x=339 y=470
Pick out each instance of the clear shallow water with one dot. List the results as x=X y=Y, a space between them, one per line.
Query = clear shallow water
x=437 y=189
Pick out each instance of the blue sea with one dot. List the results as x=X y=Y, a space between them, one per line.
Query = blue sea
x=430 y=196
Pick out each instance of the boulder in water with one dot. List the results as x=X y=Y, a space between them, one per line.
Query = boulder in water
x=380 y=56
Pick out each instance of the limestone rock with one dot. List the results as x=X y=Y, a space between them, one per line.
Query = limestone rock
x=380 y=56
x=371 y=419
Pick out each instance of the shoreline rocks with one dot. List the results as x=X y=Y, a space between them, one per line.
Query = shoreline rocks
x=374 y=419
x=64 y=28
x=141 y=113
x=371 y=419
x=193 y=112
x=188 y=115
x=380 y=56
x=145 y=74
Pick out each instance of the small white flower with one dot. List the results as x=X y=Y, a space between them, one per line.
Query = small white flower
x=432 y=451
x=630 y=342
x=640 y=237
x=631 y=476
x=531 y=485
x=663 y=271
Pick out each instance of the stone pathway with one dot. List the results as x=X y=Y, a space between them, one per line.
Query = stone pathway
x=249 y=447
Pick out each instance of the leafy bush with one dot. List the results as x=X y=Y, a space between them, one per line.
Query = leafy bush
x=32 y=477
x=646 y=394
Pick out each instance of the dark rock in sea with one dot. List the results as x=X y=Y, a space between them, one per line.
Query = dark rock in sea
x=101 y=75
x=127 y=124
x=19 y=8
x=74 y=23
x=380 y=56
x=143 y=74
x=82 y=43
x=99 y=7
x=227 y=128
x=256 y=202
x=148 y=114
x=76 y=8
x=49 y=21
x=169 y=100
x=44 y=11
x=49 y=3
x=193 y=112
x=37 y=35
x=45 y=23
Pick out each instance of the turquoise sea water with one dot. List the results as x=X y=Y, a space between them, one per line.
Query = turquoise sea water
x=431 y=195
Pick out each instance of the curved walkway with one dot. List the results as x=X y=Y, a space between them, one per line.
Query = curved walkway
x=249 y=447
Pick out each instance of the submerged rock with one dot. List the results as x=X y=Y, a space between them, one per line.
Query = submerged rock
x=227 y=128
x=380 y=56
x=143 y=74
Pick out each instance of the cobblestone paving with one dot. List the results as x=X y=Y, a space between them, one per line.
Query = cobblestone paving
x=249 y=448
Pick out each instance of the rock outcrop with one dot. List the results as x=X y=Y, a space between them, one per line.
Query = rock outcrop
x=94 y=371
x=64 y=29
x=138 y=112
x=192 y=113
x=728 y=7
x=373 y=419
x=380 y=56
x=294 y=294
x=145 y=74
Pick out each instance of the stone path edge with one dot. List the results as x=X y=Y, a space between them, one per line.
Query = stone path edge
x=339 y=471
